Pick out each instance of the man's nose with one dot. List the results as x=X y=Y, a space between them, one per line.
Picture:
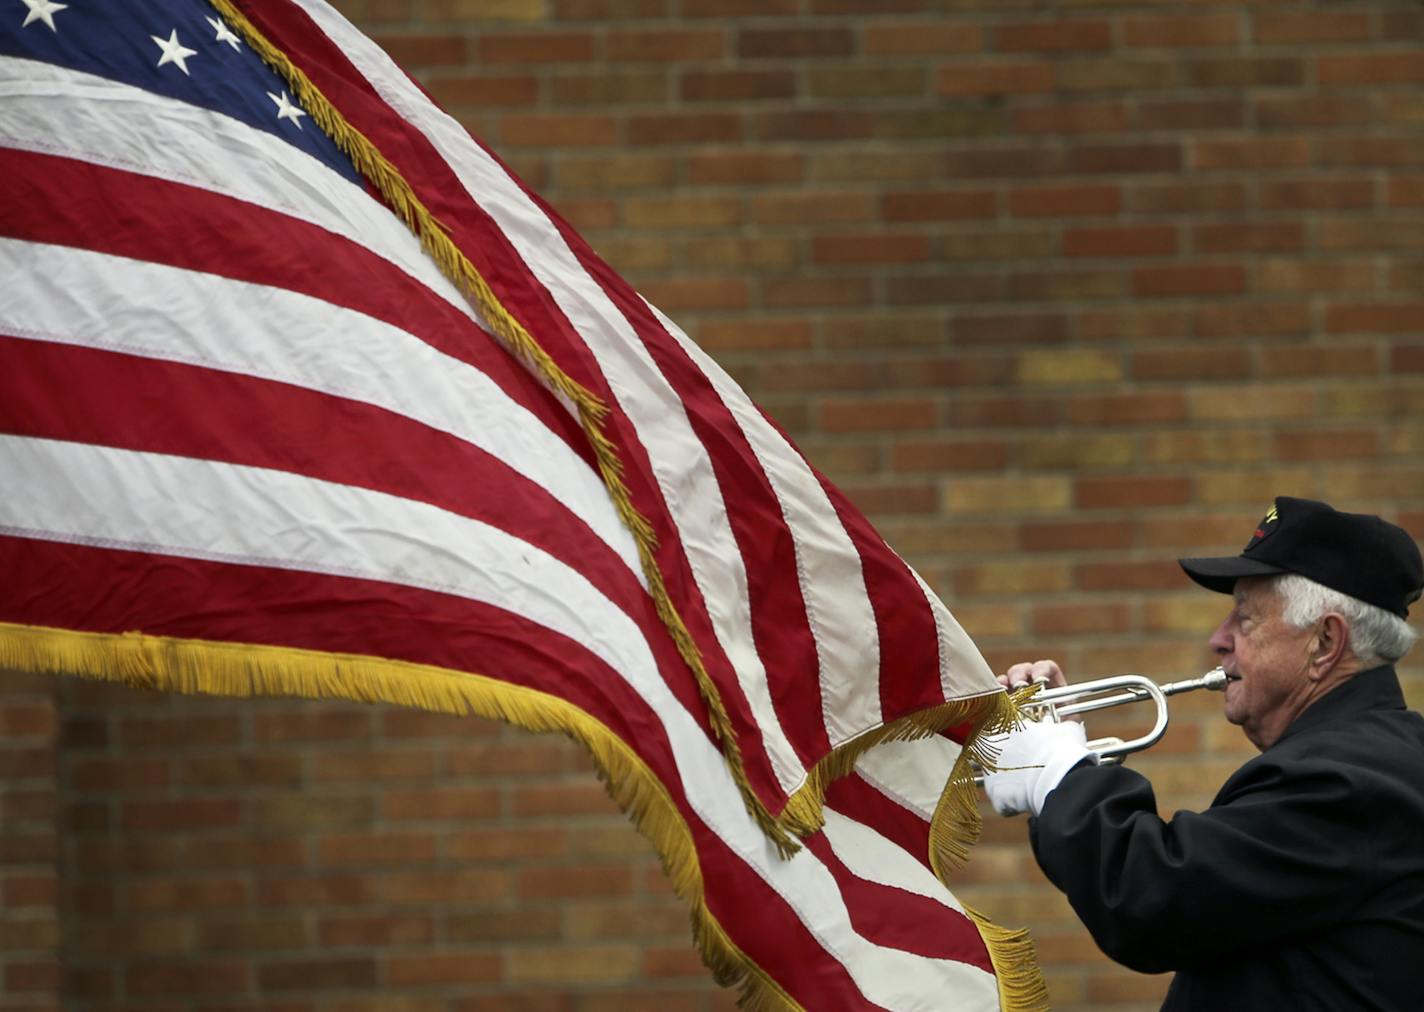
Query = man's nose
x=1221 y=641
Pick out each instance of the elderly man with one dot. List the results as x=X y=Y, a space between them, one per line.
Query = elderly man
x=1302 y=886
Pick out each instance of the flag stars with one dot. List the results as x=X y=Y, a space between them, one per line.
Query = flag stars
x=286 y=108
x=173 y=51
x=225 y=34
x=42 y=10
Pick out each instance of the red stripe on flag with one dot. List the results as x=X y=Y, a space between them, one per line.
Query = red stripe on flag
x=253 y=244
x=107 y=590
x=110 y=399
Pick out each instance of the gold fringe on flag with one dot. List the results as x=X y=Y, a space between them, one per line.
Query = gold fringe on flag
x=199 y=667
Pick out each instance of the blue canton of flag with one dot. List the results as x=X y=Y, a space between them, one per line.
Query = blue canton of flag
x=180 y=49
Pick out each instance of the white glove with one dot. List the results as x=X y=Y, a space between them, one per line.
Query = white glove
x=1032 y=761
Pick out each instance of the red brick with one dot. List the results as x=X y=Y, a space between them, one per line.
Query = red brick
x=312 y=725
x=1291 y=27
x=1246 y=72
x=1127 y=408
x=1320 y=360
x=1076 y=535
x=665 y=44
x=379 y=930
x=486 y=90
x=1120 y=241
x=736 y=85
x=684 y=128
x=187 y=895
x=316 y=891
x=440 y=803
x=1078 y=619
x=1304 y=194
x=484 y=887
x=824 y=207
x=1275 y=319
x=921 y=38
x=1009 y=329
x=1325 y=444
x=1004 y=78
x=998 y=162
x=1182 y=31
x=948 y=454
x=195 y=813
x=736 y=8
x=1072 y=118
x=1161 y=574
x=570 y=881
x=1376 y=318
x=795 y=43
x=179 y=731
x=376 y=848
x=1405 y=191
x=952 y=286
x=1193 y=114
x=817 y=291
x=1196 y=279
x=1125 y=158
x=873 y=248
x=1251 y=153
x=939 y=205
x=1291 y=111
x=1132 y=492
x=1407 y=358
x=471 y=967
x=1248 y=237
x=318 y=974
x=1064 y=201
x=1195 y=363
x=1054 y=35
x=745 y=167
x=119 y=774
x=833 y=124
x=27 y=720
x=883 y=499
x=1176 y=198
x=536 y=47
x=879 y=415
x=558 y=130
x=1374 y=151
x=1369 y=68
x=188 y=977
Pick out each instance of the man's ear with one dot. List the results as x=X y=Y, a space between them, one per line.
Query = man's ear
x=1332 y=644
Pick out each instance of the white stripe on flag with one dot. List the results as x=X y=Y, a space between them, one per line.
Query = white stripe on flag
x=55 y=111
x=141 y=308
x=828 y=565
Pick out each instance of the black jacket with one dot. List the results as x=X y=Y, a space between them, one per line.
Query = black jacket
x=1301 y=887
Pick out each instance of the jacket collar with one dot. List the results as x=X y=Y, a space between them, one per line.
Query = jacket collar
x=1372 y=689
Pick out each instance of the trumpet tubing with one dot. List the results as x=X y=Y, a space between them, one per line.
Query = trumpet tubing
x=1117 y=690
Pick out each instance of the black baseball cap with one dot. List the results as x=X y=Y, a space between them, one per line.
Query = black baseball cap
x=1357 y=554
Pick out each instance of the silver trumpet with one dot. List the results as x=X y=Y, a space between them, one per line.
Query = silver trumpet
x=1116 y=690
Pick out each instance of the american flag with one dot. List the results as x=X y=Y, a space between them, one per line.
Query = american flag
x=303 y=392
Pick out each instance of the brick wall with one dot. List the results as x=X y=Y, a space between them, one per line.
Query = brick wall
x=1056 y=296
x=29 y=846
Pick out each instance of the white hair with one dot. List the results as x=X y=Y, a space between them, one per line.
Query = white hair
x=1376 y=636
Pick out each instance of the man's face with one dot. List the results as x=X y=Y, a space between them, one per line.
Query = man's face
x=1267 y=660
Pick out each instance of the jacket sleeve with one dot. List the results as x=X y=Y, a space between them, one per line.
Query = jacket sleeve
x=1279 y=853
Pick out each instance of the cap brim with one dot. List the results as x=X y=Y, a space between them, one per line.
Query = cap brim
x=1220 y=574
